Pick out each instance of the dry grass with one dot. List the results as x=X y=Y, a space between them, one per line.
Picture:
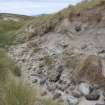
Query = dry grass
x=17 y=93
x=90 y=69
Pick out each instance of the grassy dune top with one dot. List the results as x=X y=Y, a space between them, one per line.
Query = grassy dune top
x=16 y=30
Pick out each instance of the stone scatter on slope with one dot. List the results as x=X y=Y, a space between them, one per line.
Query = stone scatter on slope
x=48 y=62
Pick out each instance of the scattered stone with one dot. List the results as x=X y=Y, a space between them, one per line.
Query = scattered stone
x=35 y=81
x=104 y=93
x=93 y=96
x=44 y=93
x=102 y=51
x=78 y=28
x=84 y=46
x=43 y=81
x=72 y=100
x=56 y=96
x=84 y=88
x=63 y=85
x=51 y=86
x=54 y=75
x=76 y=94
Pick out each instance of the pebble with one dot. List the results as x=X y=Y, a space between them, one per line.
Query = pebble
x=56 y=96
x=72 y=100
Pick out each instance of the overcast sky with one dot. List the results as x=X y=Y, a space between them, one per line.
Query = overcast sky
x=34 y=7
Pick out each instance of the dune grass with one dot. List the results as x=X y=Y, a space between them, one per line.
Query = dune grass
x=7 y=66
x=8 y=30
x=18 y=93
x=12 y=90
x=39 y=25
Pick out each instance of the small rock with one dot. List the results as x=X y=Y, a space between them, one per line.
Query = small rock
x=84 y=88
x=51 y=86
x=84 y=46
x=54 y=75
x=72 y=100
x=78 y=28
x=76 y=94
x=43 y=81
x=102 y=51
x=104 y=93
x=35 y=81
x=56 y=96
x=43 y=93
x=93 y=96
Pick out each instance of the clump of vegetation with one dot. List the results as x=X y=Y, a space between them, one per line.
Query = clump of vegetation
x=17 y=93
x=71 y=61
x=90 y=69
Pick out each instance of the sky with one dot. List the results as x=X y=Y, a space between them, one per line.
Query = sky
x=34 y=7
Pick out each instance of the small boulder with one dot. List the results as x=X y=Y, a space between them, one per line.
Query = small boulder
x=84 y=89
x=76 y=94
x=54 y=75
x=77 y=28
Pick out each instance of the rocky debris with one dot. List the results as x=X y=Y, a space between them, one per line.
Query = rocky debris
x=72 y=100
x=74 y=49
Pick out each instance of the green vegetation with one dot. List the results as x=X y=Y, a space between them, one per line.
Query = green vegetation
x=7 y=66
x=7 y=32
x=8 y=28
